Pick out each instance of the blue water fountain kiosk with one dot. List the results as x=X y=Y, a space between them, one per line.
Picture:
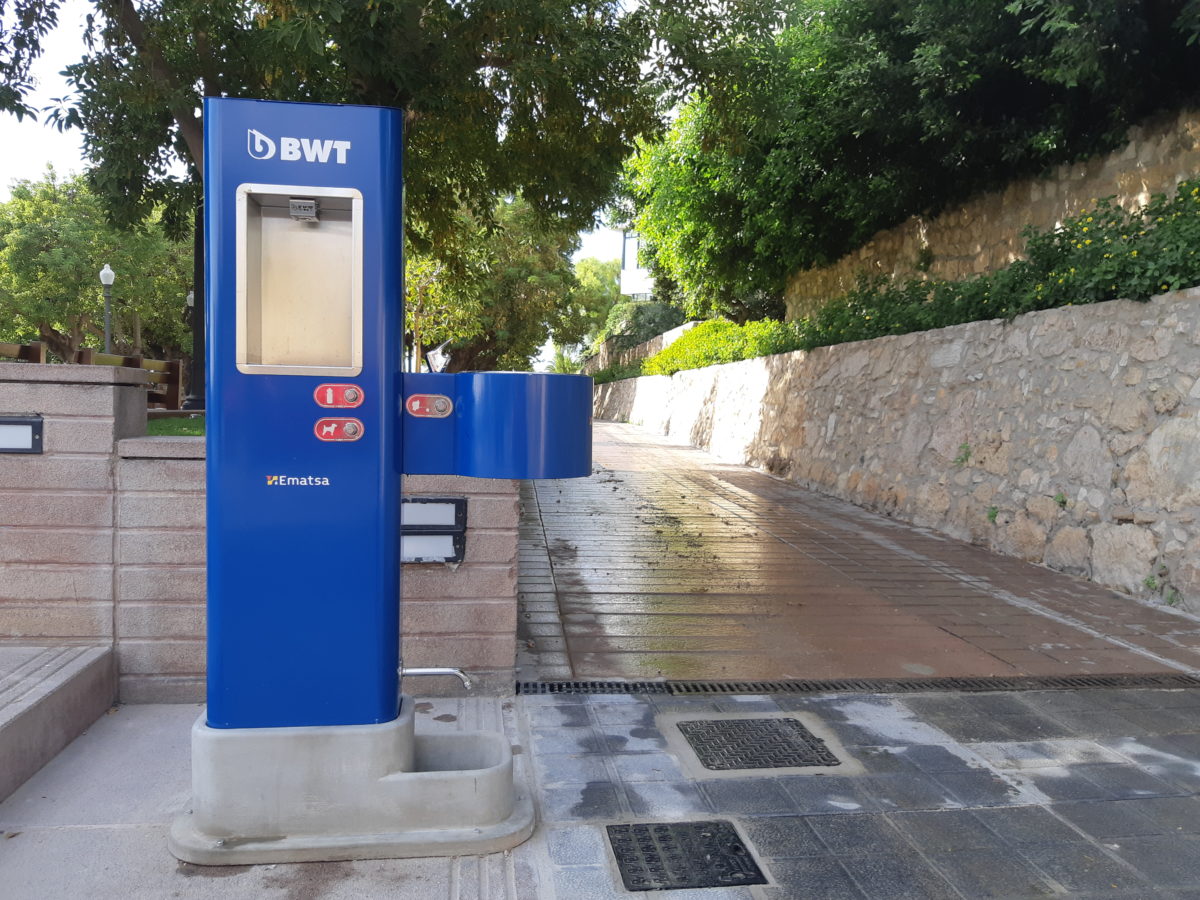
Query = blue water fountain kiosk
x=307 y=749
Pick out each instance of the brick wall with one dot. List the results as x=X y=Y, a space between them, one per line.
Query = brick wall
x=57 y=513
x=102 y=541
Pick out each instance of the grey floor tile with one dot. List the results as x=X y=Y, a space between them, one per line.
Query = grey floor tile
x=633 y=739
x=980 y=788
x=976 y=729
x=783 y=837
x=943 y=831
x=907 y=791
x=748 y=796
x=581 y=803
x=1160 y=721
x=1106 y=819
x=1062 y=783
x=813 y=794
x=1124 y=782
x=814 y=878
x=1084 y=867
x=992 y=873
x=576 y=845
x=1171 y=861
x=1104 y=724
x=593 y=882
x=853 y=835
x=884 y=760
x=998 y=704
x=572 y=716
x=1028 y=825
x=639 y=713
x=898 y=877
x=566 y=741
x=662 y=801
x=637 y=767
x=558 y=769
x=935 y=758
x=1175 y=815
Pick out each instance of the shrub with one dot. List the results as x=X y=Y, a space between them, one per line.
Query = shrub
x=618 y=371
x=721 y=341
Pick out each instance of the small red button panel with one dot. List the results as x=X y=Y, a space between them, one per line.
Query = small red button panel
x=429 y=406
x=338 y=429
x=338 y=396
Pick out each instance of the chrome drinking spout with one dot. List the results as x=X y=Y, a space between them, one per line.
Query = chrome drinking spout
x=438 y=670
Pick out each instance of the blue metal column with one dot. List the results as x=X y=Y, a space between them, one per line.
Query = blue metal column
x=303 y=484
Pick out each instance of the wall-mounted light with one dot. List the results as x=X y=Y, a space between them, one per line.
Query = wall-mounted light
x=433 y=529
x=20 y=434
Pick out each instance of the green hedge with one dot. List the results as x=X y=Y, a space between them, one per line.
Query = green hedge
x=618 y=371
x=1104 y=253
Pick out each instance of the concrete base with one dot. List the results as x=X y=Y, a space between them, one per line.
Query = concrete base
x=48 y=696
x=269 y=795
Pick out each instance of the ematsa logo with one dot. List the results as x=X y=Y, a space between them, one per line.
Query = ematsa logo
x=291 y=149
x=297 y=481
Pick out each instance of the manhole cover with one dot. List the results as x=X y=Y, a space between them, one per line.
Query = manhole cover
x=773 y=743
x=665 y=857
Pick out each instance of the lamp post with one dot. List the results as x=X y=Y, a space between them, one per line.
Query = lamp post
x=107 y=276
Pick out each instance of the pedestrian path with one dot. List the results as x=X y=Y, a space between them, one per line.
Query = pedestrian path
x=666 y=564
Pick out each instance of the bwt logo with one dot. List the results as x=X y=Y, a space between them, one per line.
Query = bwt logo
x=259 y=146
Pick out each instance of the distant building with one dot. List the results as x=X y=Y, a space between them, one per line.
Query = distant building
x=636 y=283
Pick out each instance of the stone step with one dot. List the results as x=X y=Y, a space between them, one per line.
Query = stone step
x=48 y=696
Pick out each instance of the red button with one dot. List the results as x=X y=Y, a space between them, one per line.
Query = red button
x=338 y=396
x=429 y=406
x=338 y=429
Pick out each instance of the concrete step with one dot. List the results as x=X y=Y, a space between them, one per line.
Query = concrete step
x=48 y=696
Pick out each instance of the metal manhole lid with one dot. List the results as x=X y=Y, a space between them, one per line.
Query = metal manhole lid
x=765 y=743
x=660 y=856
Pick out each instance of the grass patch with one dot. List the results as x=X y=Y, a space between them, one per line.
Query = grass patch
x=192 y=426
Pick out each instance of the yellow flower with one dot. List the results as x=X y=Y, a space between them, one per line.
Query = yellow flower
x=1088 y=241
x=1133 y=253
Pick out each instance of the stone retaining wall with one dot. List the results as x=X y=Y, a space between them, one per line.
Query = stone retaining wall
x=984 y=233
x=1069 y=437
x=607 y=356
x=102 y=542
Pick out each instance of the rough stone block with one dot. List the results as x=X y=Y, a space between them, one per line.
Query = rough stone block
x=55 y=473
x=35 y=583
x=493 y=512
x=55 y=545
x=461 y=617
x=161 y=510
x=456 y=486
x=166 y=583
x=468 y=582
x=160 y=657
x=491 y=546
x=56 y=619
x=161 y=620
x=49 y=399
x=61 y=434
x=19 y=508
x=171 y=475
x=180 y=548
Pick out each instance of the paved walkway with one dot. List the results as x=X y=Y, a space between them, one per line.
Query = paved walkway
x=962 y=796
x=666 y=564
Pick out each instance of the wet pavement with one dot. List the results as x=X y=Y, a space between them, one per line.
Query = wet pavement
x=938 y=795
x=666 y=564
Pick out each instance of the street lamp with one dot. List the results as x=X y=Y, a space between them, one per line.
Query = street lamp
x=107 y=276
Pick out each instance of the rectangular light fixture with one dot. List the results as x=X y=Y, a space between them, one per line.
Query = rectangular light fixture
x=433 y=529
x=20 y=434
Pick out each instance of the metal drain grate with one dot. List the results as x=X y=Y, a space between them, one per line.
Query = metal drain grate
x=863 y=685
x=592 y=687
x=774 y=743
x=680 y=855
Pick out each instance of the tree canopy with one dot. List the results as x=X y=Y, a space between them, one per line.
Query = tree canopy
x=54 y=239
x=860 y=113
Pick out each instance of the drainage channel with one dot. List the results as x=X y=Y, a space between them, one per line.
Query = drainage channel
x=863 y=685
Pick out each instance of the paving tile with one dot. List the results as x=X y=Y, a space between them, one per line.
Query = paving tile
x=783 y=837
x=593 y=882
x=749 y=796
x=1063 y=783
x=1108 y=819
x=943 y=831
x=981 y=788
x=936 y=758
x=560 y=769
x=566 y=741
x=597 y=801
x=832 y=794
x=992 y=873
x=907 y=791
x=1084 y=867
x=884 y=760
x=1027 y=826
x=820 y=878
x=1171 y=861
x=1173 y=815
x=853 y=835
x=1124 y=782
x=667 y=800
x=559 y=716
x=576 y=845
x=898 y=877
x=639 y=767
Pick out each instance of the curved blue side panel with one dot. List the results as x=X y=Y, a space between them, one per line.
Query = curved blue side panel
x=504 y=425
